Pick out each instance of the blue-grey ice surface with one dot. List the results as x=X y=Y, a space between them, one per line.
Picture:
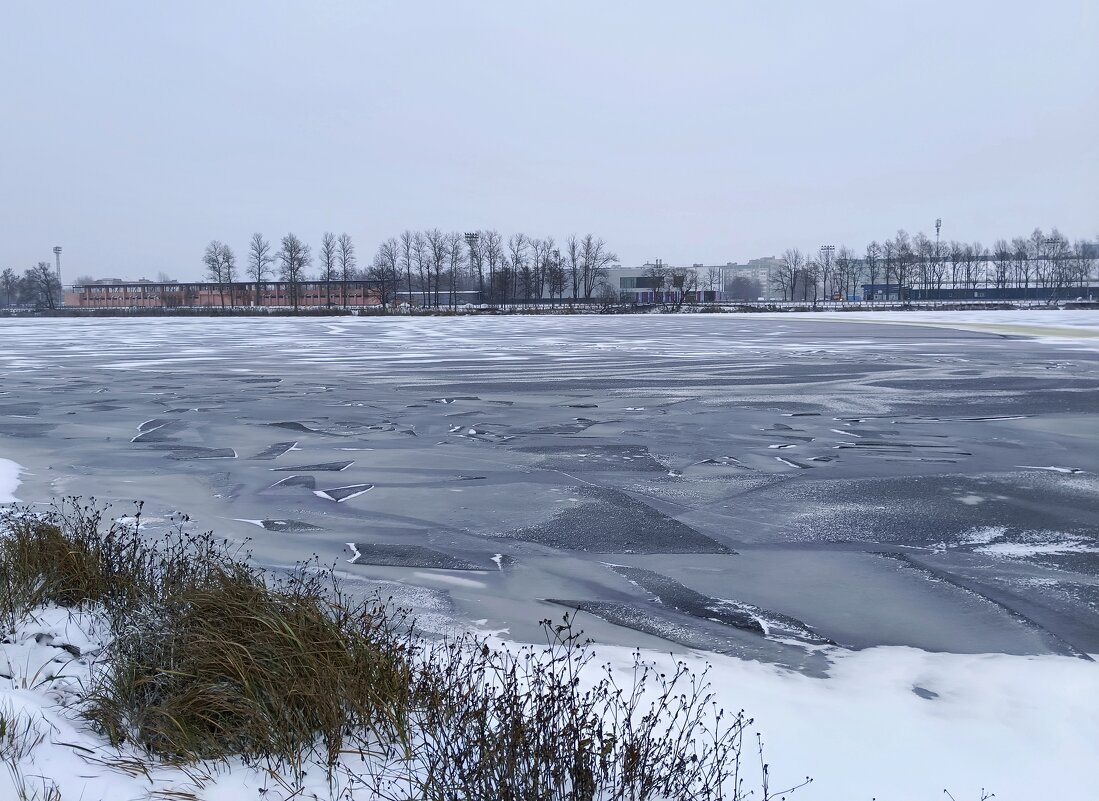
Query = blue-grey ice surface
x=725 y=482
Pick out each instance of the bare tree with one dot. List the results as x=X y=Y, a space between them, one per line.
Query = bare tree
x=905 y=259
x=386 y=271
x=437 y=246
x=422 y=259
x=1059 y=253
x=259 y=264
x=545 y=267
x=42 y=283
x=713 y=279
x=294 y=258
x=555 y=277
x=229 y=270
x=1002 y=255
x=572 y=256
x=531 y=277
x=924 y=251
x=407 y=246
x=347 y=262
x=212 y=257
x=9 y=283
x=1022 y=265
x=872 y=262
x=789 y=273
x=1083 y=261
x=517 y=263
x=327 y=255
x=492 y=247
x=684 y=281
x=455 y=249
x=657 y=275
x=847 y=272
x=595 y=260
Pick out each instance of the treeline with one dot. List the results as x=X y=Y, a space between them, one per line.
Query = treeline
x=433 y=267
x=905 y=262
x=37 y=286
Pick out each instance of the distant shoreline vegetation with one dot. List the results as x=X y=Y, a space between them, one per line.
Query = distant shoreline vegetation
x=454 y=271
x=555 y=309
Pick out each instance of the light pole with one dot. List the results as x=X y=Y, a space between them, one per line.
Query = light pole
x=57 y=259
x=472 y=237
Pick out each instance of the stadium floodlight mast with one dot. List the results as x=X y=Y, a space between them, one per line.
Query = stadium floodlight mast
x=472 y=237
x=57 y=259
x=826 y=252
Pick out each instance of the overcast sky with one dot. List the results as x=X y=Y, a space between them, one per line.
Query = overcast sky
x=132 y=133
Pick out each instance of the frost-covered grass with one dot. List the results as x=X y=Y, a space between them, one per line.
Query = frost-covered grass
x=176 y=665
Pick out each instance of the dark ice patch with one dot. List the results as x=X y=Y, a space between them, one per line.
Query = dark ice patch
x=162 y=433
x=401 y=555
x=341 y=494
x=613 y=522
x=674 y=595
x=273 y=451
x=190 y=452
x=324 y=467
x=20 y=410
x=293 y=425
x=576 y=426
x=308 y=482
x=26 y=430
x=725 y=461
x=700 y=635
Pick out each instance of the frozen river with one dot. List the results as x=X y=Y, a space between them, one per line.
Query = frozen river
x=744 y=485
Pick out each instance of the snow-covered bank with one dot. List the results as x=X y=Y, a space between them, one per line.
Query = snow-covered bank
x=891 y=723
x=900 y=723
x=9 y=480
x=1069 y=324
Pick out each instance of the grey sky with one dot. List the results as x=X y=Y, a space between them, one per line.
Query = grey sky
x=133 y=133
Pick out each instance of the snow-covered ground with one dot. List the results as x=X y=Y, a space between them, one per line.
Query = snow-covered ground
x=887 y=723
x=9 y=480
x=1082 y=324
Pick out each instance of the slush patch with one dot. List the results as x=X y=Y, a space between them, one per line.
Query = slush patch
x=289 y=525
